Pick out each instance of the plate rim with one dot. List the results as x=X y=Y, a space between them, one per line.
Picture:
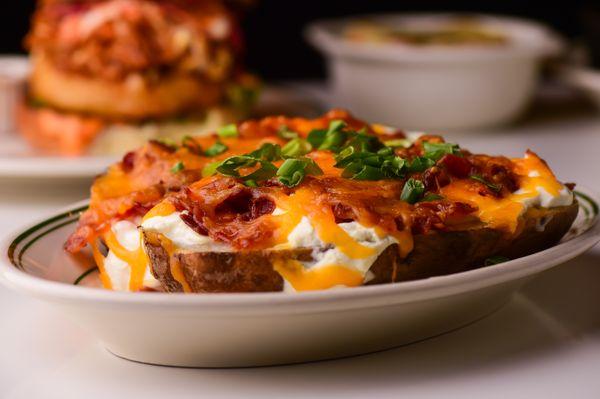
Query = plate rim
x=356 y=297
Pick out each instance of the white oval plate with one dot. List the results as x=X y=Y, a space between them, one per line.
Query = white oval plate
x=232 y=330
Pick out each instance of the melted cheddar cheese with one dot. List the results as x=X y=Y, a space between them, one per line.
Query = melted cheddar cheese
x=506 y=213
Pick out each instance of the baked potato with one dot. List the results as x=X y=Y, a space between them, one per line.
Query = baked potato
x=435 y=253
x=289 y=204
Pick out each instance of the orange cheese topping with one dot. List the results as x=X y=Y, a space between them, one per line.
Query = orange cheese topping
x=137 y=260
x=176 y=270
x=99 y=259
x=321 y=278
x=506 y=213
x=304 y=203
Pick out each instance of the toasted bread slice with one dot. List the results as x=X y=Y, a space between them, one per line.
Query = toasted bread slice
x=435 y=253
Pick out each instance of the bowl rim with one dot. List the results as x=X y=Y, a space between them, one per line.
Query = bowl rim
x=357 y=297
x=323 y=35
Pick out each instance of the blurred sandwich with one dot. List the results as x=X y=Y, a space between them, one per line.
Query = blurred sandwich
x=108 y=75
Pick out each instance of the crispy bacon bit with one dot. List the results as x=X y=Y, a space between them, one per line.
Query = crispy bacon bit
x=343 y=213
x=128 y=162
x=261 y=206
x=456 y=166
x=439 y=215
x=435 y=178
x=195 y=224
x=396 y=134
x=244 y=205
x=399 y=222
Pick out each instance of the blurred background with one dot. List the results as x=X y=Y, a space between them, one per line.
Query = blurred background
x=276 y=48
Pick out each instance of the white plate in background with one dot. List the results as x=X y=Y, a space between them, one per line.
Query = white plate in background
x=19 y=161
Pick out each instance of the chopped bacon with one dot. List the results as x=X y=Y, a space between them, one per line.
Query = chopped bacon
x=435 y=178
x=456 y=166
x=438 y=215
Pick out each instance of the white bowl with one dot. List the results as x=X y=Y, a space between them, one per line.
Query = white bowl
x=227 y=330
x=435 y=87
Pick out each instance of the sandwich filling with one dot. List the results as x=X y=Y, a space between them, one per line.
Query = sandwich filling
x=343 y=189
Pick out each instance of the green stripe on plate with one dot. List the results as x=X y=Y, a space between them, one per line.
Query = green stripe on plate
x=30 y=231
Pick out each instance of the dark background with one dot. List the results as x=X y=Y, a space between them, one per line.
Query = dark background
x=276 y=47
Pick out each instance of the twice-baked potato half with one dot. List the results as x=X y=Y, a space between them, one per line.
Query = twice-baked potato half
x=290 y=204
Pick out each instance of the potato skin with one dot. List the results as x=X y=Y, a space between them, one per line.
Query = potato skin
x=434 y=254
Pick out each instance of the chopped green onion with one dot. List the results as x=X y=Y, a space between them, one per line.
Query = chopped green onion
x=316 y=137
x=413 y=190
x=178 y=167
x=285 y=133
x=293 y=170
x=171 y=144
x=334 y=137
x=267 y=152
x=368 y=172
x=420 y=164
x=431 y=197
x=494 y=187
x=216 y=149
x=191 y=145
x=210 y=169
x=394 y=167
x=494 y=260
x=226 y=131
x=404 y=143
x=435 y=151
x=229 y=166
x=296 y=148
x=250 y=183
x=266 y=171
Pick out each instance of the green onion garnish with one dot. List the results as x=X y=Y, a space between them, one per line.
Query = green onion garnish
x=431 y=197
x=403 y=143
x=191 y=145
x=293 y=170
x=285 y=133
x=494 y=187
x=435 y=151
x=216 y=149
x=227 y=131
x=413 y=190
x=267 y=152
x=296 y=148
x=420 y=164
x=178 y=167
x=210 y=169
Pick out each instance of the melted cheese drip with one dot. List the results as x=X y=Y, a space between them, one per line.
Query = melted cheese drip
x=322 y=278
x=302 y=203
x=99 y=258
x=506 y=213
x=176 y=270
x=164 y=208
x=137 y=260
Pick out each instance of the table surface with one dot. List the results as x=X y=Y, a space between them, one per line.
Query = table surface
x=544 y=342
